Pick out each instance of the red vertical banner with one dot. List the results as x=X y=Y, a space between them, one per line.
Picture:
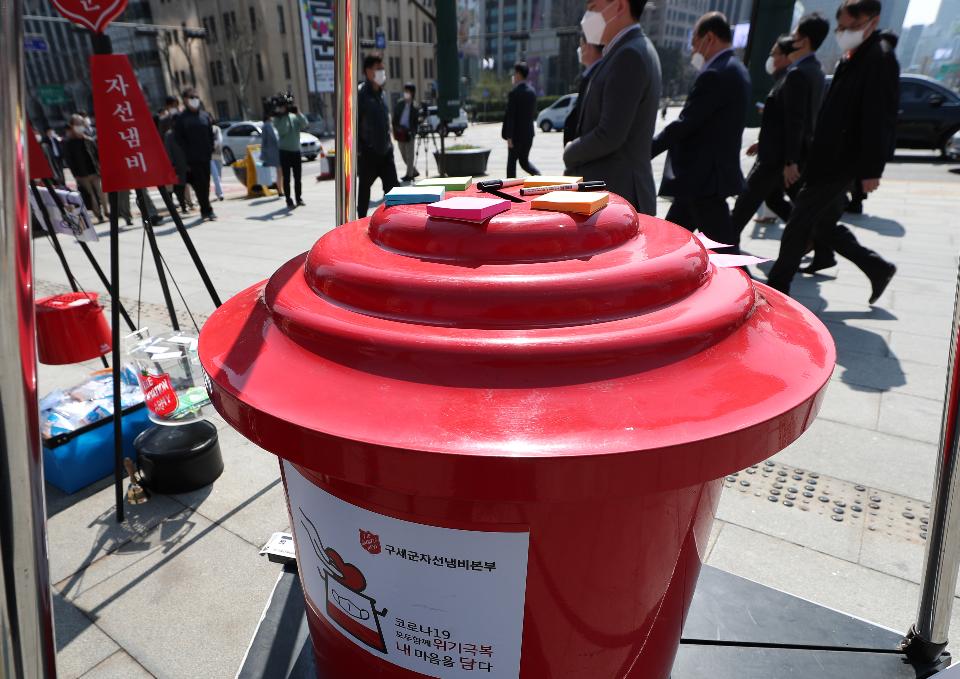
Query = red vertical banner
x=132 y=155
x=39 y=165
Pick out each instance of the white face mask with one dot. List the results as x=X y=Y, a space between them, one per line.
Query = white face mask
x=78 y=129
x=697 y=60
x=769 y=67
x=593 y=24
x=407 y=96
x=380 y=76
x=850 y=40
x=193 y=103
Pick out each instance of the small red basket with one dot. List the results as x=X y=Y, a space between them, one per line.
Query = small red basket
x=71 y=328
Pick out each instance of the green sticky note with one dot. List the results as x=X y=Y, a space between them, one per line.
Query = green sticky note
x=449 y=183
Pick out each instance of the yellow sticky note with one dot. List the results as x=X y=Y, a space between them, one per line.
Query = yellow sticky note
x=545 y=180
x=578 y=202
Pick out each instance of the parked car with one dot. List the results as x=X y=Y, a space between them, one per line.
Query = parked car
x=929 y=114
x=317 y=125
x=432 y=123
x=239 y=136
x=554 y=116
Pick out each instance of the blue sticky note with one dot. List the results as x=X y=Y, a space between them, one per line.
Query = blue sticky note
x=410 y=195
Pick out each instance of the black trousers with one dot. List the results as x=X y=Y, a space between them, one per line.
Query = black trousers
x=371 y=167
x=814 y=220
x=198 y=174
x=291 y=163
x=764 y=184
x=711 y=215
x=520 y=152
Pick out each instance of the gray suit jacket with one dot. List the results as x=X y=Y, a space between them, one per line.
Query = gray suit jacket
x=617 y=117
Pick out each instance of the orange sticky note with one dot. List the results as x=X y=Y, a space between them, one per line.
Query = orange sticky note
x=579 y=202
x=546 y=180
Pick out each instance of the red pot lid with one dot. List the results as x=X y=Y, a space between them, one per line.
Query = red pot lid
x=536 y=355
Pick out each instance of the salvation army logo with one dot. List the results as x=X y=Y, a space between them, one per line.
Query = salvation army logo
x=370 y=541
x=94 y=14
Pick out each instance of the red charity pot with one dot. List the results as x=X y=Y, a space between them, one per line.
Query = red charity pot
x=71 y=328
x=503 y=443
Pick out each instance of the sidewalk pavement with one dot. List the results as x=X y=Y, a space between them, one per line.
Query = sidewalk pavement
x=177 y=591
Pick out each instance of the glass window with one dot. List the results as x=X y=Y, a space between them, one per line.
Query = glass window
x=281 y=23
x=286 y=65
x=253 y=19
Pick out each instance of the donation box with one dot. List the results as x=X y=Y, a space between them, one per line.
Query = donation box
x=503 y=442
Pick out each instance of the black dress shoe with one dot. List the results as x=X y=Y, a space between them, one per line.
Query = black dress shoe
x=854 y=207
x=815 y=266
x=300 y=202
x=880 y=280
x=290 y=204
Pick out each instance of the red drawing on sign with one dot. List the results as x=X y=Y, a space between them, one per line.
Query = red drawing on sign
x=132 y=155
x=370 y=541
x=353 y=611
x=94 y=14
x=159 y=394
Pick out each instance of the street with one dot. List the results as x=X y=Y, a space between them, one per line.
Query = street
x=130 y=595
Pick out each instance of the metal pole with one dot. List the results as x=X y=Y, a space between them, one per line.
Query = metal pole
x=194 y=255
x=27 y=647
x=927 y=638
x=345 y=67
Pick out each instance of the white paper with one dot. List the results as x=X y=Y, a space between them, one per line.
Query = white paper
x=181 y=339
x=170 y=354
x=438 y=601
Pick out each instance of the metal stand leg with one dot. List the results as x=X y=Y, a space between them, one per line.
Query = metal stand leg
x=114 y=201
x=927 y=638
x=158 y=261
x=194 y=255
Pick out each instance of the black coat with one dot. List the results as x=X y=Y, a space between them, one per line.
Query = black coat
x=703 y=144
x=520 y=115
x=789 y=114
x=858 y=118
x=373 y=121
x=193 y=132
x=80 y=154
x=571 y=126
x=410 y=130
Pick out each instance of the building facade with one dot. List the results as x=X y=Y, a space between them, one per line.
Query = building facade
x=57 y=67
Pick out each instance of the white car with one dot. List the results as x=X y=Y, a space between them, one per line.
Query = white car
x=239 y=136
x=554 y=116
x=953 y=146
x=432 y=123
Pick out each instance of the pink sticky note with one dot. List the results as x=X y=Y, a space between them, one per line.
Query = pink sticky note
x=726 y=261
x=708 y=242
x=468 y=208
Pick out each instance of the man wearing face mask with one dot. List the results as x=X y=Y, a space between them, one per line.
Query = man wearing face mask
x=374 y=148
x=853 y=139
x=786 y=129
x=703 y=160
x=405 y=129
x=618 y=109
x=518 y=121
x=588 y=55
x=193 y=130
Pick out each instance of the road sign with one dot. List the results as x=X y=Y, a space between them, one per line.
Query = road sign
x=381 y=40
x=35 y=43
x=52 y=95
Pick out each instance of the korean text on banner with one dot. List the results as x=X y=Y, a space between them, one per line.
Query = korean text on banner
x=39 y=166
x=132 y=155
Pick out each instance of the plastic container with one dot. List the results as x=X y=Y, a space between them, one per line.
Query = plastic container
x=170 y=376
x=71 y=328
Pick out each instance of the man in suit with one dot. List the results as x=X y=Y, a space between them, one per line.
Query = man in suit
x=374 y=148
x=618 y=109
x=853 y=139
x=703 y=144
x=789 y=113
x=588 y=55
x=405 y=116
x=518 y=121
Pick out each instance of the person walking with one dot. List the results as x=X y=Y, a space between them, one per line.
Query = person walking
x=193 y=130
x=618 y=110
x=289 y=123
x=703 y=145
x=216 y=160
x=165 y=122
x=80 y=155
x=786 y=127
x=588 y=55
x=374 y=148
x=270 y=148
x=853 y=138
x=53 y=148
x=405 y=130
x=518 y=121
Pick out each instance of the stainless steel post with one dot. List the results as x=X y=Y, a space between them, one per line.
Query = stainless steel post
x=27 y=646
x=927 y=638
x=345 y=84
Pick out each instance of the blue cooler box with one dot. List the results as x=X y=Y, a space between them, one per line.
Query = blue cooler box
x=78 y=458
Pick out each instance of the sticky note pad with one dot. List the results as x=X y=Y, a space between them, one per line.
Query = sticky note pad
x=545 y=180
x=468 y=208
x=579 y=202
x=410 y=195
x=449 y=183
